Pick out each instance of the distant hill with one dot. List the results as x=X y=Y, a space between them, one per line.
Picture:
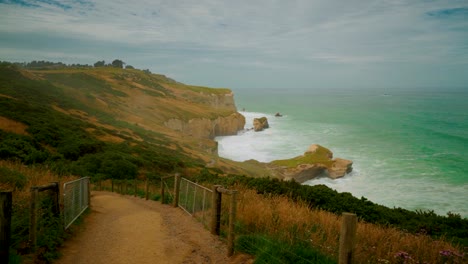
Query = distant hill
x=112 y=122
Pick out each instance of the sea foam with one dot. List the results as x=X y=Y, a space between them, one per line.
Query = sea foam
x=375 y=176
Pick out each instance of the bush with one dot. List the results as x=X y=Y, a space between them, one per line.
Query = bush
x=320 y=196
x=12 y=178
x=268 y=250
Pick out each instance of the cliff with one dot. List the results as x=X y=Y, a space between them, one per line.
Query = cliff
x=208 y=128
x=139 y=122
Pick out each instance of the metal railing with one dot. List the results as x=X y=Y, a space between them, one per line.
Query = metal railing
x=76 y=198
x=203 y=204
x=196 y=200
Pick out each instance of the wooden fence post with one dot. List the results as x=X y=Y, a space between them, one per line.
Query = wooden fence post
x=176 y=189
x=162 y=191
x=33 y=219
x=136 y=188
x=216 y=211
x=112 y=183
x=89 y=192
x=5 y=225
x=347 y=238
x=55 y=195
x=146 y=189
x=232 y=219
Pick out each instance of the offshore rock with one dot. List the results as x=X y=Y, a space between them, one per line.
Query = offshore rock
x=316 y=162
x=259 y=124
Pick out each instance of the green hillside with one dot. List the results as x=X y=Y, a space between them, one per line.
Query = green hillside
x=99 y=121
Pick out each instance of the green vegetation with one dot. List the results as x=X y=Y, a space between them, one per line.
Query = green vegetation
x=321 y=155
x=269 y=250
x=201 y=89
x=12 y=178
x=83 y=81
x=63 y=142
x=67 y=131
x=452 y=226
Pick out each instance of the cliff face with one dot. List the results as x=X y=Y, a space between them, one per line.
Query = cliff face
x=219 y=101
x=222 y=118
x=208 y=128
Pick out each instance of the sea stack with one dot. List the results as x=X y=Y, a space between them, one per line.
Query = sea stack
x=260 y=124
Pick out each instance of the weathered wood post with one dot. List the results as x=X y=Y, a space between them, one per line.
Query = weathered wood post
x=33 y=218
x=232 y=219
x=216 y=211
x=146 y=189
x=162 y=191
x=5 y=225
x=176 y=189
x=89 y=192
x=112 y=185
x=347 y=238
x=55 y=196
x=136 y=187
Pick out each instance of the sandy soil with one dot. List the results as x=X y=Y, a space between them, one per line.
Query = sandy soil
x=125 y=229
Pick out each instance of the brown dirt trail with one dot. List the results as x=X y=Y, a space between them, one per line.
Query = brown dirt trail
x=125 y=229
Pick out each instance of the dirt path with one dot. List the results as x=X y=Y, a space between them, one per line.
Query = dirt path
x=125 y=229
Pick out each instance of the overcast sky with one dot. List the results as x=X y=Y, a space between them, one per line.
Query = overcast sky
x=251 y=44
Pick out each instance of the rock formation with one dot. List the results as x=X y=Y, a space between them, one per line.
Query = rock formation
x=260 y=123
x=317 y=161
x=208 y=128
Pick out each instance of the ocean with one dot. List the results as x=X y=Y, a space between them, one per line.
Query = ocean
x=409 y=147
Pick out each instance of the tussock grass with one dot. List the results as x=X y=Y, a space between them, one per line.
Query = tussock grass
x=296 y=223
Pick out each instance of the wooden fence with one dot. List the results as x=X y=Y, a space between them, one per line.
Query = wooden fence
x=44 y=202
x=216 y=193
x=5 y=225
x=171 y=192
x=54 y=194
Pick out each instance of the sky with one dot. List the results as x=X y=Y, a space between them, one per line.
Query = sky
x=306 y=44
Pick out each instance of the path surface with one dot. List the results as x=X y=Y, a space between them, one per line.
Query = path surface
x=125 y=229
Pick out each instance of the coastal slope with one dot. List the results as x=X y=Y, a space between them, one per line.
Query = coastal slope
x=78 y=118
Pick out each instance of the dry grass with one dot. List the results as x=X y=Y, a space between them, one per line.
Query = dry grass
x=35 y=176
x=12 y=126
x=278 y=216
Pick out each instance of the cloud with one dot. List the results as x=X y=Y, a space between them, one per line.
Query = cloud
x=264 y=35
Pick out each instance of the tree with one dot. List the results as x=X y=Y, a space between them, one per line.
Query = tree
x=118 y=63
x=129 y=67
x=100 y=64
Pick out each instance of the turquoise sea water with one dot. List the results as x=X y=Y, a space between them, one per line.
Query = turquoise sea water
x=409 y=148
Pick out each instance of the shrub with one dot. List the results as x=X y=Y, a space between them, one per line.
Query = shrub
x=12 y=178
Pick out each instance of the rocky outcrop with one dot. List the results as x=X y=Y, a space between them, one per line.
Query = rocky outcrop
x=317 y=161
x=340 y=168
x=208 y=128
x=259 y=124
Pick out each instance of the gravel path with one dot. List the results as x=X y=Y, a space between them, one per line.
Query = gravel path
x=125 y=229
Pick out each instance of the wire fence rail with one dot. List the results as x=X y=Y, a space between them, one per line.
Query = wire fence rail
x=196 y=200
x=202 y=203
x=76 y=199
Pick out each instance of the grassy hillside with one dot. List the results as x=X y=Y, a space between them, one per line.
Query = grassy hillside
x=109 y=123
x=101 y=122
